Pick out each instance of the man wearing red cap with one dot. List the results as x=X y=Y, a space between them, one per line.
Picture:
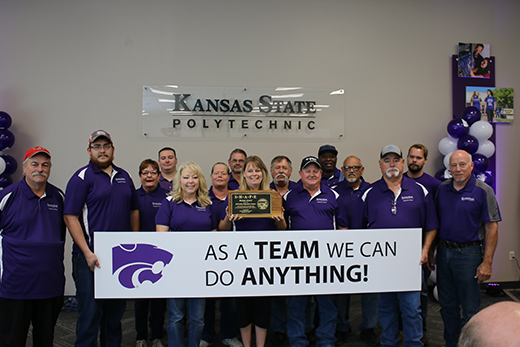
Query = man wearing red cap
x=32 y=240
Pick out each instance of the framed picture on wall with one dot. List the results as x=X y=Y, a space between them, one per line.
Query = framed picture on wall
x=495 y=103
x=474 y=60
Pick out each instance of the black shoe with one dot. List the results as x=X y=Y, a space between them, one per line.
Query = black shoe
x=342 y=336
x=370 y=337
x=278 y=338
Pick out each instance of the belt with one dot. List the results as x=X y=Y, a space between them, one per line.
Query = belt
x=451 y=244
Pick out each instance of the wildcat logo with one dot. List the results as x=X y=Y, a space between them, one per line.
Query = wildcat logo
x=136 y=263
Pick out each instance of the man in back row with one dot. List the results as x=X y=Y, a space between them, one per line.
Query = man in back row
x=168 y=164
x=99 y=197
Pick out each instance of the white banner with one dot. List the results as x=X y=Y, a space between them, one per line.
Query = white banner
x=221 y=264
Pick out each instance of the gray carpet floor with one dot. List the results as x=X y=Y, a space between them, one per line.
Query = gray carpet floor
x=65 y=328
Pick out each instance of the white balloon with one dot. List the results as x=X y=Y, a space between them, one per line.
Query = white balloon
x=433 y=276
x=436 y=293
x=448 y=145
x=447 y=174
x=2 y=165
x=486 y=148
x=482 y=130
x=447 y=161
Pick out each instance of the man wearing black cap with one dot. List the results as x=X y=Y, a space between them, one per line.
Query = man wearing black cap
x=99 y=197
x=33 y=237
x=328 y=157
x=312 y=206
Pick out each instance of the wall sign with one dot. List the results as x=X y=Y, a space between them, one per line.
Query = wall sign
x=221 y=113
x=221 y=264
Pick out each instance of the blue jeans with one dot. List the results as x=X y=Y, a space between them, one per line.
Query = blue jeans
x=301 y=314
x=457 y=286
x=369 y=311
x=228 y=315
x=389 y=305
x=177 y=311
x=328 y=315
x=95 y=314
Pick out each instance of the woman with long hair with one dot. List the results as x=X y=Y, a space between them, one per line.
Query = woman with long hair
x=253 y=310
x=187 y=208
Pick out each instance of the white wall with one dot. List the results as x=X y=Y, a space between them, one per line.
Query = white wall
x=70 y=67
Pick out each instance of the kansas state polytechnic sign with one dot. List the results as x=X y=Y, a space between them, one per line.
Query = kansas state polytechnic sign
x=221 y=113
x=222 y=264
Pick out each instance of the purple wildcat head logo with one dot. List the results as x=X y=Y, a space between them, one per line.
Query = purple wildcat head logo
x=137 y=263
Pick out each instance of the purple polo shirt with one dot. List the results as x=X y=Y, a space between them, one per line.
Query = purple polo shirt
x=351 y=205
x=414 y=207
x=318 y=212
x=463 y=213
x=149 y=204
x=219 y=205
x=291 y=185
x=102 y=202
x=332 y=180
x=233 y=184
x=431 y=183
x=165 y=184
x=181 y=216
x=32 y=242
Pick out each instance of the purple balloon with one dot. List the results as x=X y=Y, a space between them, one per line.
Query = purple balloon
x=5 y=180
x=481 y=163
x=5 y=120
x=485 y=177
x=440 y=175
x=457 y=128
x=471 y=115
x=468 y=143
x=6 y=139
x=10 y=164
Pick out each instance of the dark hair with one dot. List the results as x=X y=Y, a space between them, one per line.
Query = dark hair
x=166 y=149
x=419 y=146
x=149 y=162
x=238 y=150
x=490 y=91
x=280 y=158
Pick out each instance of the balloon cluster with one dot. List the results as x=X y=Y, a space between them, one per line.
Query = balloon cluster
x=470 y=134
x=8 y=164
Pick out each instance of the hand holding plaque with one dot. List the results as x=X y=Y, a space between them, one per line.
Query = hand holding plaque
x=255 y=203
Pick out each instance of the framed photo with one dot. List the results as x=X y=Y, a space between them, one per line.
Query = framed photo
x=474 y=60
x=495 y=103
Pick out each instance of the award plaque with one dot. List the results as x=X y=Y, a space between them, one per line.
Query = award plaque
x=255 y=203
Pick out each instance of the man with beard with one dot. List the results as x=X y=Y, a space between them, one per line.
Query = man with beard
x=328 y=157
x=469 y=216
x=99 y=197
x=236 y=161
x=415 y=160
x=281 y=170
x=168 y=164
x=395 y=201
x=350 y=191
x=33 y=237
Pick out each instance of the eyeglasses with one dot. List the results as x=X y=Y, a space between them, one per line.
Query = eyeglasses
x=353 y=168
x=105 y=147
x=146 y=173
x=241 y=161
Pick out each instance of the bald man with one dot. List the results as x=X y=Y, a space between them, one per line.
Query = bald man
x=468 y=218
x=494 y=326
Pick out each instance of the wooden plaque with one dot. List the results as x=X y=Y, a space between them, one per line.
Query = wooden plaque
x=255 y=203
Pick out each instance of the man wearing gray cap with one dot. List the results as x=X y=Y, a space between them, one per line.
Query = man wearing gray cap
x=395 y=201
